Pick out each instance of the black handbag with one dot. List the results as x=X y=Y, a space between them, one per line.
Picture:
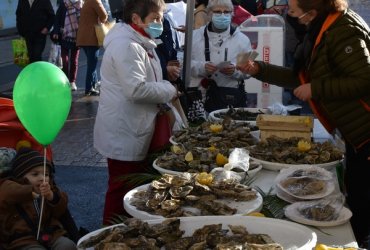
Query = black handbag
x=222 y=97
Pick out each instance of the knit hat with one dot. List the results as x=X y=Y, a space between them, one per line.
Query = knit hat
x=25 y=160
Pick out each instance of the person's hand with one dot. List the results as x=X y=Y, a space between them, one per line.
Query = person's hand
x=181 y=28
x=44 y=31
x=55 y=36
x=210 y=68
x=46 y=192
x=228 y=70
x=173 y=72
x=250 y=68
x=303 y=92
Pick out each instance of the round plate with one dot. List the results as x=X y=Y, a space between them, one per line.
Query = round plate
x=275 y=166
x=292 y=213
x=326 y=177
x=212 y=115
x=251 y=173
x=290 y=235
x=243 y=207
x=285 y=196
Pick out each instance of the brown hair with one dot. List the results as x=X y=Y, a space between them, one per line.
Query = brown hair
x=141 y=7
x=323 y=6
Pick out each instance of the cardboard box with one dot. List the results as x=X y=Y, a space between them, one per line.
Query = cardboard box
x=285 y=126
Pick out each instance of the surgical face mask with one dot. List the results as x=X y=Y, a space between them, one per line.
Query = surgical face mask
x=221 y=21
x=154 y=30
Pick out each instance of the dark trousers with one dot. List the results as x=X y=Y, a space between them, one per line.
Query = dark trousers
x=35 y=46
x=357 y=179
x=117 y=188
x=70 y=62
x=92 y=54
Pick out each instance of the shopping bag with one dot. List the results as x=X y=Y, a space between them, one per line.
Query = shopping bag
x=55 y=55
x=162 y=132
x=101 y=30
x=20 y=54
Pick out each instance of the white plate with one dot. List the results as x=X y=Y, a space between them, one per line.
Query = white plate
x=285 y=196
x=290 y=235
x=326 y=177
x=251 y=173
x=243 y=207
x=212 y=116
x=292 y=213
x=275 y=166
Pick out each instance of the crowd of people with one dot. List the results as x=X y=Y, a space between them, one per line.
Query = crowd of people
x=329 y=69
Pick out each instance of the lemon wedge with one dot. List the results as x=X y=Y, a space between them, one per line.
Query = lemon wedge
x=176 y=149
x=23 y=144
x=212 y=148
x=216 y=128
x=204 y=178
x=303 y=146
x=256 y=214
x=189 y=156
x=221 y=159
x=325 y=247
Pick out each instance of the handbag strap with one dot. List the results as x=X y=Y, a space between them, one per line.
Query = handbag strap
x=207 y=52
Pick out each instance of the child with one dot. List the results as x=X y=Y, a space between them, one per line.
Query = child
x=20 y=204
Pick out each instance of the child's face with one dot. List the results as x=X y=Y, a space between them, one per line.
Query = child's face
x=36 y=177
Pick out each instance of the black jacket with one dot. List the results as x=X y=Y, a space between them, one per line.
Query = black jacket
x=31 y=21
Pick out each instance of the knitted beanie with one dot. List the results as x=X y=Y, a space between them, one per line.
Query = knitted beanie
x=25 y=160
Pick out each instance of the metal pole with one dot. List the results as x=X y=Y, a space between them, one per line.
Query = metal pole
x=190 y=5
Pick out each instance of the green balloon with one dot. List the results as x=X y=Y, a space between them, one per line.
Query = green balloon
x=42 y=100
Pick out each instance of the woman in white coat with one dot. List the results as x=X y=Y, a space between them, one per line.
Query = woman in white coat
x=224 y=44
x=131 y=91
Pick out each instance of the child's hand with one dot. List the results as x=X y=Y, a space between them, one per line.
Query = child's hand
x=46 y=192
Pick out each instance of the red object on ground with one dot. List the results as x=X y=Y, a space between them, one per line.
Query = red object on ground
x=240 y=15
x=12 y=130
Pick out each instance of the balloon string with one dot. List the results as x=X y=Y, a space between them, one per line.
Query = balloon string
x=42 y=198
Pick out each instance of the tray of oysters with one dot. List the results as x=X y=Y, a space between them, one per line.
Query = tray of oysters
x=205 y=232
x=304 y=183
x=193 y=194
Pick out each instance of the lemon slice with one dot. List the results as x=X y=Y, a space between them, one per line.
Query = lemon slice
x=204 y=178
x=221 y=159
x=216 y=128
x=176 y=149
x=303 y=146
x=23 y=144
x=212 y=148
x=189 y=156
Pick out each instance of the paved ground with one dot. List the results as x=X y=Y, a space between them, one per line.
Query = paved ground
x=80 y=169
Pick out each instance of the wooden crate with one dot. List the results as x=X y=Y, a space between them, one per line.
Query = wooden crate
x=285 y=126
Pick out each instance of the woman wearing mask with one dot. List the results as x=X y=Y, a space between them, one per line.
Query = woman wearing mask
x=332 y=72
x=131 y=91
x=92 y=12
x=214 y=53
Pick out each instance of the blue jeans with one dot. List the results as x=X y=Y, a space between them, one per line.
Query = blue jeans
x=92 y=54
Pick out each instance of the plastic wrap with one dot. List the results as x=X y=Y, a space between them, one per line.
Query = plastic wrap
x=280 y=109
x=326 y=209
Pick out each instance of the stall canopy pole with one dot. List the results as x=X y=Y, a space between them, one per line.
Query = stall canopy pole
x=190 y=5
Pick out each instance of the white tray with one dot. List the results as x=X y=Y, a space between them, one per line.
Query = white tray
x=275 y=166
x=213 y=118
x=290 y=235
x=251 y=173
x=243 y=207
x=292 y=213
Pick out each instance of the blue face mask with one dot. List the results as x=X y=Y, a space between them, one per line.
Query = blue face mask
x=154 y=30
x=221 y=21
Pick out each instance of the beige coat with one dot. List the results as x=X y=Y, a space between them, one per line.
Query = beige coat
x=91 y=12
x=201 y=17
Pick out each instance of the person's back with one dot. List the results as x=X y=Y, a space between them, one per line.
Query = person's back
x=21 y=195
x=34 y=20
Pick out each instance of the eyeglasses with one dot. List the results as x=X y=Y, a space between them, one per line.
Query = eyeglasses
x=219 y=12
